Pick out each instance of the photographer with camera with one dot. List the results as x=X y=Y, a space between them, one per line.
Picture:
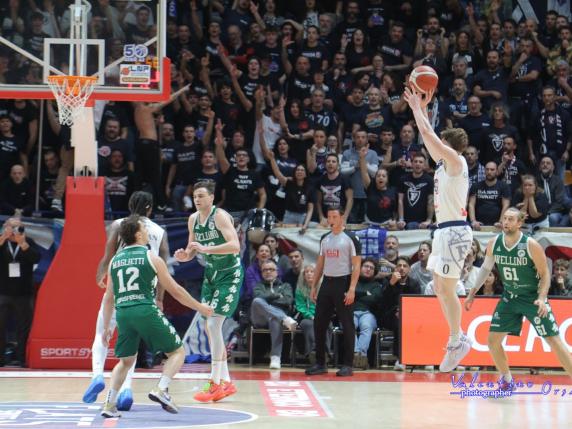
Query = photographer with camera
x=18 y=254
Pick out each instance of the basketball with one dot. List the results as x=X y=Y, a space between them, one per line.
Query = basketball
x=423 y=79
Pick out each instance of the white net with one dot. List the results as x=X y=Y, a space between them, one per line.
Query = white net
x=71 y=93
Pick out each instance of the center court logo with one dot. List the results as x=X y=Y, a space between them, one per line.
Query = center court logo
x=67 y=415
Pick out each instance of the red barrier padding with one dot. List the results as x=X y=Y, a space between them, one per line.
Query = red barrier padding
x=69 y=298
x=424 y=333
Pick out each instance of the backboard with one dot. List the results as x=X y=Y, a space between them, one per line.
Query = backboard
x=120 y=42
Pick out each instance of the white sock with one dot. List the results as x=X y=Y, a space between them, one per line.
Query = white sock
x=111 y=397
x=216 y=371
x=164 y=382
x=98 y=355
x=224 y=374
x=455 y=339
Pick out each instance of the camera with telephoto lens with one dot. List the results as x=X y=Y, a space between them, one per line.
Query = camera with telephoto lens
x=20 y=229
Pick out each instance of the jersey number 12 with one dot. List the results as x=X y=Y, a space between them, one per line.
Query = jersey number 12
x=133 y=274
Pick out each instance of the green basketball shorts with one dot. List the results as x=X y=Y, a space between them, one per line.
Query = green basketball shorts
x=148 y=323
x=510 y=311
x=221 y=289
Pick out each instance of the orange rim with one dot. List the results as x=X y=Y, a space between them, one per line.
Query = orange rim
x=71 y=88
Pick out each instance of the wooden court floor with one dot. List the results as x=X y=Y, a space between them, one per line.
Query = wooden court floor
x=290 y=400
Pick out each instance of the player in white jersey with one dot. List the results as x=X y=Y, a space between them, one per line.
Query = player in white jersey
x=453 y=238
x=140 y=203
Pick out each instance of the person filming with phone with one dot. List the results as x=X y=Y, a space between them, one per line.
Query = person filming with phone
x=18 y=255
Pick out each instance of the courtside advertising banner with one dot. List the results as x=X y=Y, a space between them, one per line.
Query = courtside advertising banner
x=424 y=333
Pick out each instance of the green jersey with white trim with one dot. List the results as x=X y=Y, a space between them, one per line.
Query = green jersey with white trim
x=516 y=267
x=208 y=234
x=133 y=276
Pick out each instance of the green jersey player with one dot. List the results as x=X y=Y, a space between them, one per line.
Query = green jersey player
x=212 y=234
x=132 y=277
x=523 y=269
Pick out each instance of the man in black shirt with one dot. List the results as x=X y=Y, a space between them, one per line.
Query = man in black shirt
x=491 y=85
x=319 y=116
x=333 y=190
x=111 y=141
x=119 y=182
x=240 y=185
x=396 y=51
x=474 y=122
x=415 y=197
x=16 y=197
x=185 y=161
x=488 y=199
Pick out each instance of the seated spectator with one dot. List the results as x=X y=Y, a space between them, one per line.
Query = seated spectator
x=415 y=198
x=560 y=284
x=283 y=262
x=531 y=200
x=553 y=188
x=271 y=308
x=119 y=182
x=293 y=274
x=478 y=252
x=419 y=271
x=299 y=194
x=390 y=254
x=488 y=200
x=305 y=312
x=492 y=285
x=399 y=283
x=253 y=273
x=366 y=306
x=16 y=197
x=469 y=272
x=350 y=168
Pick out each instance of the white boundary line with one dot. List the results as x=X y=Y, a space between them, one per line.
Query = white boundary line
x=83 y=374
x=320 y=400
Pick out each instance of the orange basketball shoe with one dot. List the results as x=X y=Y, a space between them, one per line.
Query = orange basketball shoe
x=210 y=392
x=228 y=388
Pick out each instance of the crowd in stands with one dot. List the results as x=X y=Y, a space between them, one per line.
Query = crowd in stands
x=296 y=107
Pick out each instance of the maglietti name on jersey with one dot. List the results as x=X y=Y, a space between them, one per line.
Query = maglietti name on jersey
x=205 y=236
x=511 y=260
x=128 y=261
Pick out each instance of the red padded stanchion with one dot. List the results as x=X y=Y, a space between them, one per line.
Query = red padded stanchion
x=69 y=299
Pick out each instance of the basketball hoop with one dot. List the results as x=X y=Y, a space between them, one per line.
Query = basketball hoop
x=71 y=93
